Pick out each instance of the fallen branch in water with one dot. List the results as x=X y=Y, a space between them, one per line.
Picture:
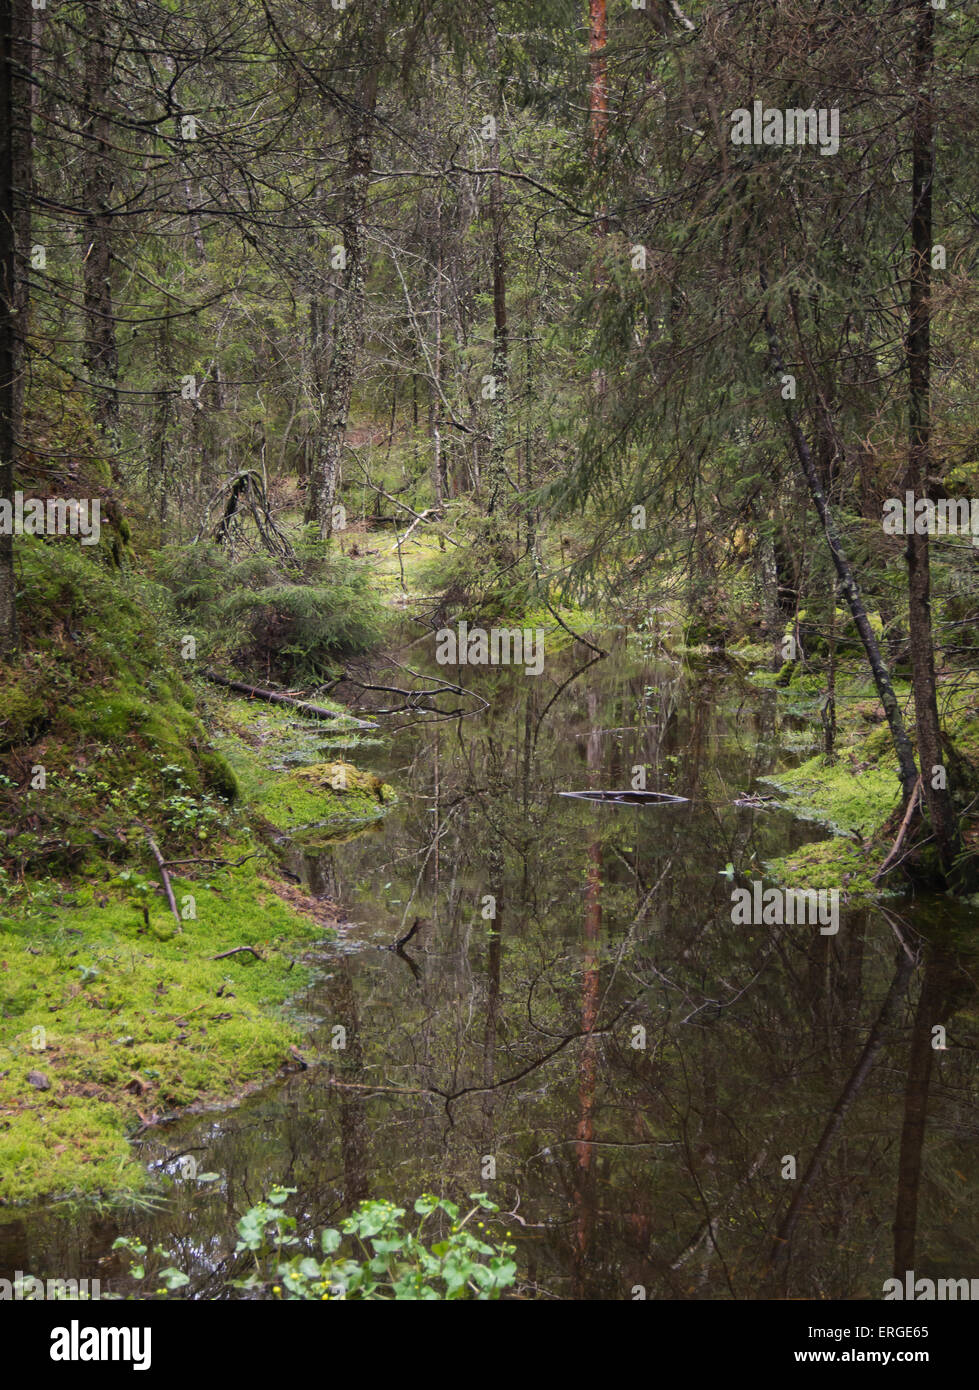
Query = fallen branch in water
x=162 y=866
x=273 y=698
x=234 y=951
x=402 y=941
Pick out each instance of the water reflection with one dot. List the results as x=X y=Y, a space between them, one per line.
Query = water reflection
x=575 y=1025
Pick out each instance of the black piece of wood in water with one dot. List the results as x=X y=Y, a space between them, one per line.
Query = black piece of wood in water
x=627 y=797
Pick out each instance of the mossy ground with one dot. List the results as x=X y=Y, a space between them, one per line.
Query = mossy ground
x=856 y=793
x=849 y=797
x=121 y=1016
x=292 y=773
x=129 y=1019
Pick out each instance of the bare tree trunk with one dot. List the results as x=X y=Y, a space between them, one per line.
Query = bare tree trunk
x=348 y=318
x=496 y=484
x=101 y=356
x=439 y=480
x=938 y=800
x=161 y=422
x=15 y=61
x=908 y=770
x=598 y=112
x=598 y=96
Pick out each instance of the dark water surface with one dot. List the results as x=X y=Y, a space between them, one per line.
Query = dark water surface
x=633 y=1068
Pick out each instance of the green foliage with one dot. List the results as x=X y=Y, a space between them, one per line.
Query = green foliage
x=100 y=701
x=482 y=578
x=296 y=620
x=102 y=970
x=373 y=1256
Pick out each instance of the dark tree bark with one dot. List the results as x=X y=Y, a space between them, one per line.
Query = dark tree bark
x=848 y=583
x=440 y=482
x=348 y=317
x=938 y=800
x=15 y=143
x=101 y=355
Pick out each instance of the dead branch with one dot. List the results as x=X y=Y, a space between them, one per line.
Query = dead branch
x=162 y=866
x=912 y=802
x=209 y=859
x=402 y=941
x=273 y=698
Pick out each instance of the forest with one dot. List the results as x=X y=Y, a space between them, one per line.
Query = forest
x=489 y=608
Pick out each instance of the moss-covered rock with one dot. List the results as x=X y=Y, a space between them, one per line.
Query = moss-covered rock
x=344 y=778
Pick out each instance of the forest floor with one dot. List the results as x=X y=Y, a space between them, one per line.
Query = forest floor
x=115 y=1017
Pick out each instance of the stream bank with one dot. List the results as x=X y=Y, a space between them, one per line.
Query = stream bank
x=117 y=1017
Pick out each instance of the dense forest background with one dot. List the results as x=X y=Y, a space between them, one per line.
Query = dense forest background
x=360 y=319
x=503 y=274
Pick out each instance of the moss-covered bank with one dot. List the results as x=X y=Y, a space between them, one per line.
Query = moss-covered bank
x=856 y=792
x=111 y=1014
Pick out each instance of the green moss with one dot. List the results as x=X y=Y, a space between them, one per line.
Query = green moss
x=265 y=750
x=24 y=714
x=834 y=863
x=219 y=776
x=121 y=1014
x=137 y=1019
x=847 y=797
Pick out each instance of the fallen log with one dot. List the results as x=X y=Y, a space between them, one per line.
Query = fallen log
x=235 y=950
x=272 y=697
x=210 y=859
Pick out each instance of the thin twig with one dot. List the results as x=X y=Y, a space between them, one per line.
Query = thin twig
x=161 y=865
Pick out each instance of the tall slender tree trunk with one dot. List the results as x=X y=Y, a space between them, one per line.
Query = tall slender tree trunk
x=348 y=317
x=907 y=768
x=598 y=96
x=439 y=479
x=15 y=141
x=598 y=112
x=938 y=800
x=101 y=355
x=496 y=483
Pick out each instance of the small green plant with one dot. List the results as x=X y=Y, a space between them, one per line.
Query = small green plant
x=372 y=1256
x=387 y=1261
